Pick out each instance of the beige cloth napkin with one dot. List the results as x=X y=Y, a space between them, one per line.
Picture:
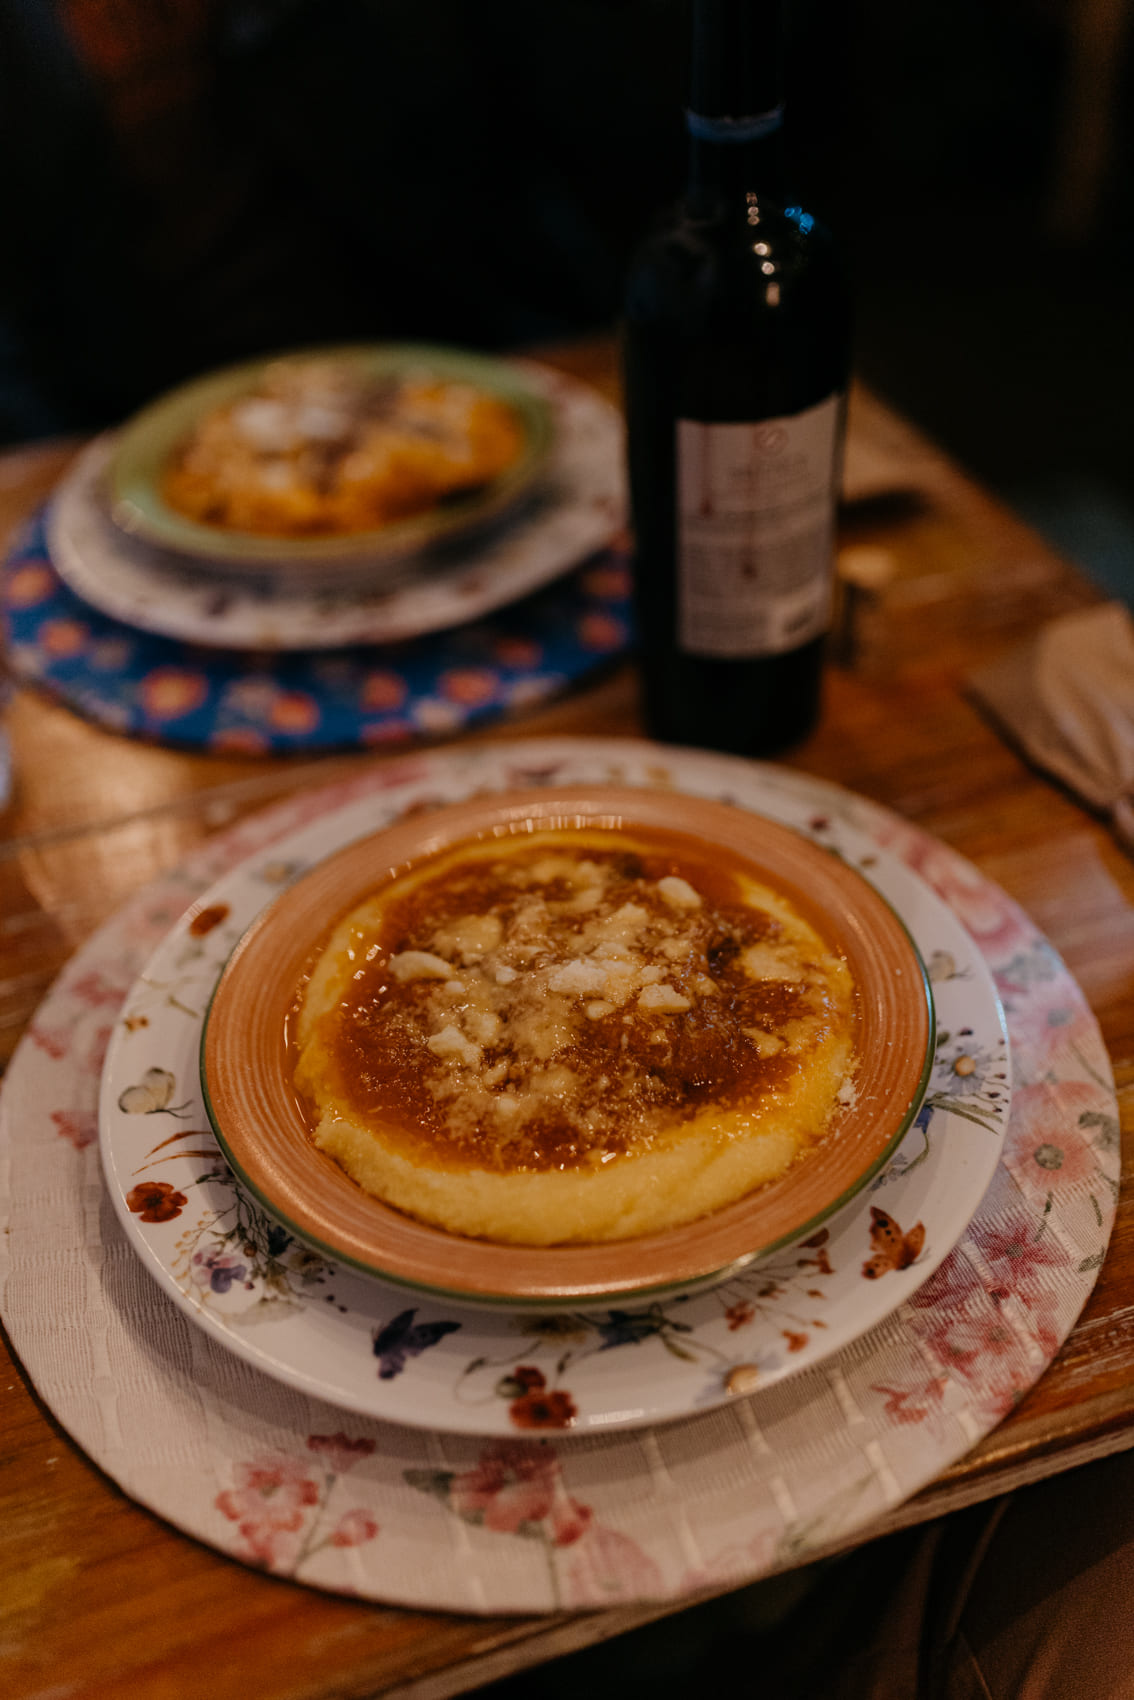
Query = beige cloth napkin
x=1067 y=698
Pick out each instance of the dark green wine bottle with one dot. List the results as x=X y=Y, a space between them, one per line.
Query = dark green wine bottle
x=736 y=343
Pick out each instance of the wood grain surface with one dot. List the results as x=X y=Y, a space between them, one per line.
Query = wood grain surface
x=98 y=1598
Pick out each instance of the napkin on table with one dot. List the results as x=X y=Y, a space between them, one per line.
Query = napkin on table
x=1067 y=698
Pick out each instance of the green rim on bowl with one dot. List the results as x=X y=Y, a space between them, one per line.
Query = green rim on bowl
x=251 y=1100
x=151 y=436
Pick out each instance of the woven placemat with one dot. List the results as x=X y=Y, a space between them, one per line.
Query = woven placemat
x=284 y=1481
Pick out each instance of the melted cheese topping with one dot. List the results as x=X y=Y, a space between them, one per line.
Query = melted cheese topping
x=575 y=1035
x=321 y=450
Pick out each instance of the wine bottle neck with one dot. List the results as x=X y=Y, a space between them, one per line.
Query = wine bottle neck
x=735 y=98
x=728 y=171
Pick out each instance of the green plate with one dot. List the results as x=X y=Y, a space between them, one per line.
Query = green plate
x=150 y=437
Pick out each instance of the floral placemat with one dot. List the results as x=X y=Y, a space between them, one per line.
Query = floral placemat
x=192 y=696
x=266 y=1473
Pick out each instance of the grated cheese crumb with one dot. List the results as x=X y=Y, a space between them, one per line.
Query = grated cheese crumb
x=420 y=965
x=767 y=1044
x=452 y=1043
x=678 y=893
x=663 y=998
x=579 y=976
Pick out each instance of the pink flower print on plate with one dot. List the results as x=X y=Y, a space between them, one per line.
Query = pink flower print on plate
x=609 y=1566
x=953 y=1284
x=988 y=913
x=53 y=1041
x=516 y=1490
x=79 y=1126
x=1016 y=1256
x=95 y=989
x=352 y=1529
x=911 y=1405
x=1057 y=1131
x=338 y=1451
x=280 y=1509
x=269 y=1502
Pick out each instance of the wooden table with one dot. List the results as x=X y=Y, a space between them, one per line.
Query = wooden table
x=97 y=1597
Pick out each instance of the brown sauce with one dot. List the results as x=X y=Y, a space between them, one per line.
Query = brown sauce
x=552 y=1079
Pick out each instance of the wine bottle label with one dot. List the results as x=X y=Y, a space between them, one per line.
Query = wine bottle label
x=755 y=532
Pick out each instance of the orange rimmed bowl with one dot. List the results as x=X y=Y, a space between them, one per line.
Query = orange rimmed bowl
x=247 y=1066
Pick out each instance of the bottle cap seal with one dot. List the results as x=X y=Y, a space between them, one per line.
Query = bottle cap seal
x=748 y=129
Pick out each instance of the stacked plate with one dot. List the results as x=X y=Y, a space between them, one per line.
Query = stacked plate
x=121 y=547
x=390 y=1318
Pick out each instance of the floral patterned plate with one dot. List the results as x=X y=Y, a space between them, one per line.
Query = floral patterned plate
x=371 y=1348
x=578 y=505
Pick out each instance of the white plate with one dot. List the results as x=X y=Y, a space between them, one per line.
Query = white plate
x=380 y=1351
x=576 y=508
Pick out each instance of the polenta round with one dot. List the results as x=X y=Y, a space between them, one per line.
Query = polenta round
x=573 y=1036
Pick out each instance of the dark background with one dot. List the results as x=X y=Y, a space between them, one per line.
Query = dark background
x=189 y=181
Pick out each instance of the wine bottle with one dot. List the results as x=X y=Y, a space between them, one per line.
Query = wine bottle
x=735 y=341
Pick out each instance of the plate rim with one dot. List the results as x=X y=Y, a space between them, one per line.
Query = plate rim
x=142 y=585
x=557 y=1285
x=821 y=809
x=145 y=439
